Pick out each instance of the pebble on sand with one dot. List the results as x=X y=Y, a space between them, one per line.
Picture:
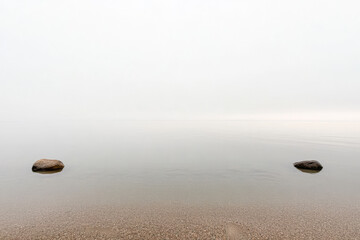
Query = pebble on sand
x=47 y=165
x=309 y=165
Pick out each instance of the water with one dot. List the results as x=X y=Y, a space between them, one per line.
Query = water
x=189 y=162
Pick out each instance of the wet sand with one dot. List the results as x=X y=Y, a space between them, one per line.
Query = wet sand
x=182 y=222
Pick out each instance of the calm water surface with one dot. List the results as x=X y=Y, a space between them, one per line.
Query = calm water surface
x=213 y=162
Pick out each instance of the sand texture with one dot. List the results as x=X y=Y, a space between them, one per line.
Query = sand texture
x=182 y=222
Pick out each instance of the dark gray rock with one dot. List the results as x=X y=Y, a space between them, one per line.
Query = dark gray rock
x=47 y=165
x=309 y=165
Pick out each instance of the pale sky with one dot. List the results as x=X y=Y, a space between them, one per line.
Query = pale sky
x=188 y=59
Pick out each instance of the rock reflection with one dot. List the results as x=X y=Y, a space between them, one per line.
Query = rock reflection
x=308 y=171
x=48 y=172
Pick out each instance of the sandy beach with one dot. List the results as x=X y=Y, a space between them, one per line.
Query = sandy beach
x=182 y=222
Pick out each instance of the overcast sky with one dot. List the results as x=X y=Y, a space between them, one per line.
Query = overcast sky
x=186 y=59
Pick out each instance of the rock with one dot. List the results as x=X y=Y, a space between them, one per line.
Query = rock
x=47 y=165
x=309 y=165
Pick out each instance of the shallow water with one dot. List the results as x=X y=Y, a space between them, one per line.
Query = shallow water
x=188 y=162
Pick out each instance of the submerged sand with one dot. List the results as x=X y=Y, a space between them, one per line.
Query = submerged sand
x=182 y=222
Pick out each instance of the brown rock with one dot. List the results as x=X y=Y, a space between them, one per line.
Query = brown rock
x=310 y=165
x=47 y=165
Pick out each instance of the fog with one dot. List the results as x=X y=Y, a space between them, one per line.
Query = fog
x=179 y=59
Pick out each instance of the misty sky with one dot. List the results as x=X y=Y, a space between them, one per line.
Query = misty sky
x=186 y=59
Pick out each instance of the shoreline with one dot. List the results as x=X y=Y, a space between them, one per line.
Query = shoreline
x=179 y=221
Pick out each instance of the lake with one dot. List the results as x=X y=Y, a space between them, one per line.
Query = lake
x=188 y=162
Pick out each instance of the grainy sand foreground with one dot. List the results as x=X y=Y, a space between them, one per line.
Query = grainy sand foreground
x=181 y=222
